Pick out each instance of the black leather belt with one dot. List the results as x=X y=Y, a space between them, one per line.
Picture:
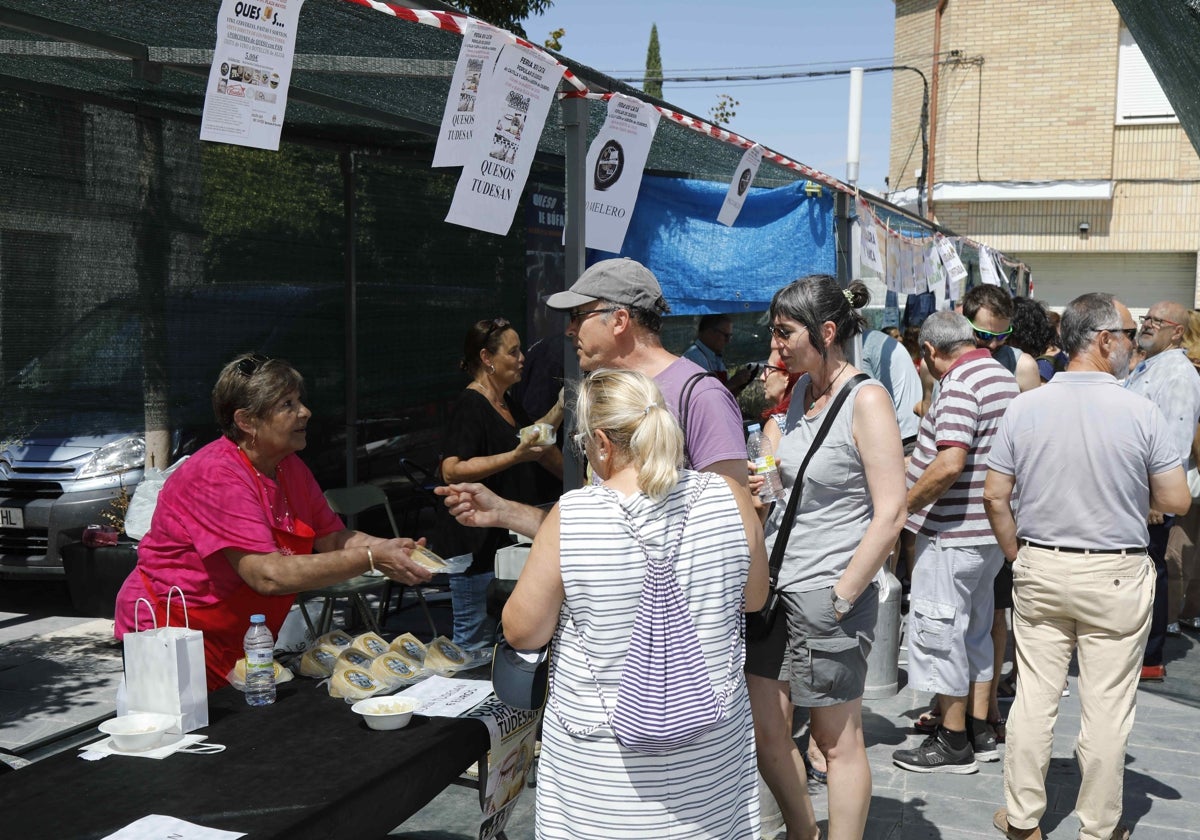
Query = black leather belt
x=1141 y=549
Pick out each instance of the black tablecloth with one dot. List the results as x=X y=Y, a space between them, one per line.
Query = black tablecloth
x=306 y=767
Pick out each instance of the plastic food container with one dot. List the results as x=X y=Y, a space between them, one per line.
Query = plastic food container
x=137 y=732
x=385 y=713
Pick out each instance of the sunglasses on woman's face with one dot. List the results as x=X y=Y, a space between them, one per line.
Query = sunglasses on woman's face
x=769 y=369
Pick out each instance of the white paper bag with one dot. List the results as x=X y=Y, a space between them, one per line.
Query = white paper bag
x=164 y=671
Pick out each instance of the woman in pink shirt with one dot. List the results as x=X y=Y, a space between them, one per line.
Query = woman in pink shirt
x=241 y=526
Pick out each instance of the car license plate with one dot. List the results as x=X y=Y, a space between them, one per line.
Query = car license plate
x=12 y=518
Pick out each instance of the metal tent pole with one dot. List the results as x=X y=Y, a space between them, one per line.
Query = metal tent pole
x=575 y=119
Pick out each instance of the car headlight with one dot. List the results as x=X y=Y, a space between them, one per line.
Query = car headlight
x=125 y=454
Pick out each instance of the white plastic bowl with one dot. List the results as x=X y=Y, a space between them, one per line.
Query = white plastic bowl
x=385 y=712
x=137 y=732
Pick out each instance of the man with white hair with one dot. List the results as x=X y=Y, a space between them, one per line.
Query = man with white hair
x=1167 y=378
x=1084 y=460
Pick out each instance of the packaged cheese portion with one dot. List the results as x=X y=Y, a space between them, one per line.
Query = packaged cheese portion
x=237 y=677
x=353 y=684
x=352 y=658
x=538 y=434
x=393 y=669
x=372 y=644
x=318 y=660
x=337 y=638
x=422 y=556
x=410 y=646
x=446 y=657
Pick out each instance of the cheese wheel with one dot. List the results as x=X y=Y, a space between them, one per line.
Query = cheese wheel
x=318 y=661
x=353 y=684
x=372 y=644
x=444 y=656
x=352 y=658
x=337 y=638
x=410 y=646
x=393 y=669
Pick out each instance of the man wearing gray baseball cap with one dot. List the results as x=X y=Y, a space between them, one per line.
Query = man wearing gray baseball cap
x=614 y=317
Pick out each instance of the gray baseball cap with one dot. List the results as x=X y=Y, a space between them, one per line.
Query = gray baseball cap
x=623 y=281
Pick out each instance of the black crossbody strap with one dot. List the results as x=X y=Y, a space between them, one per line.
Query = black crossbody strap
x=789 y=515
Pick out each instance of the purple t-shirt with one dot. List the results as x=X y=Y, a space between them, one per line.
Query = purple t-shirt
x=713 y=420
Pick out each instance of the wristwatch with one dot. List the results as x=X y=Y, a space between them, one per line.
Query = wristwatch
x=840 y=605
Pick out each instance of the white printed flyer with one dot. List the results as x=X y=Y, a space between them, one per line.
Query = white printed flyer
x=956 y=272
x=744 y=176
x=615 y=161
x=510 y=115
x=481 y=45
x=248 y=82
x=870 y=258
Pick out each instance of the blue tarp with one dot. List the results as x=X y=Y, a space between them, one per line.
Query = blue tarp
x=781 y=234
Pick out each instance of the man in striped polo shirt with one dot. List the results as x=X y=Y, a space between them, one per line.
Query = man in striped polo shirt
x=950 y=614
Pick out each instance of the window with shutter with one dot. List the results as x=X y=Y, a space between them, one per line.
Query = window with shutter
x=1140 y=99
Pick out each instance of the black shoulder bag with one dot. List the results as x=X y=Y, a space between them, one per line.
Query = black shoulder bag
x=759 y=624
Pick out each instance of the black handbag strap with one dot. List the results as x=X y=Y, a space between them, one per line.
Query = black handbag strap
x=789 y=515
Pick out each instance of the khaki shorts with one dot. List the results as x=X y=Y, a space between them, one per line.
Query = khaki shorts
x=824 y=661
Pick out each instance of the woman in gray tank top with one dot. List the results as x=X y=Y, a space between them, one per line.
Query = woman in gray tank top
x=851 y=509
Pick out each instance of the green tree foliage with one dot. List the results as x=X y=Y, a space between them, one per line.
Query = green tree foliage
x=725 y=110
x=507 y=14
x=554 y=39
x=652 y=83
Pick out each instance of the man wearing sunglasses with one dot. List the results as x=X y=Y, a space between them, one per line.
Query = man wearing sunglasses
x=713 y=334
x=990 y=311
x=1081 y=461
x=1167 y=378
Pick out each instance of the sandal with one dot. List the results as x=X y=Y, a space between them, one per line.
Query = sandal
x=928 y=722
x=819 y=776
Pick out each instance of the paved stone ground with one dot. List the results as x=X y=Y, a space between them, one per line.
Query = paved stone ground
x=58 y=673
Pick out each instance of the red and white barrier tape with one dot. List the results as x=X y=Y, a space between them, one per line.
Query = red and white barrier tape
x=452 y=22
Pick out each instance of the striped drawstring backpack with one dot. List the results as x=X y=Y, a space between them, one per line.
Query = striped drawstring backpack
x=665 y=698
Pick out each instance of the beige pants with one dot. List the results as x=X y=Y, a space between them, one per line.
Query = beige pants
x=1183 y=576
x=1097 y=605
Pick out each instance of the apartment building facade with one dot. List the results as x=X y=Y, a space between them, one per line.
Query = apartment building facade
x=1049 y=139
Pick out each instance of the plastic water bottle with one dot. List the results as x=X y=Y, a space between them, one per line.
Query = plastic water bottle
x=758 y=450
x=260 y=662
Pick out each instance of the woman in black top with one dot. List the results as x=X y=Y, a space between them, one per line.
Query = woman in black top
x=482 y=444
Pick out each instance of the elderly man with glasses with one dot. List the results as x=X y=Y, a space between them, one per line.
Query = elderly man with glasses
x=1081 y=461
x=1167 y=378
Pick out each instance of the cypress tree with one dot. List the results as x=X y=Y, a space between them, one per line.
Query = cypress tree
x=652 y=83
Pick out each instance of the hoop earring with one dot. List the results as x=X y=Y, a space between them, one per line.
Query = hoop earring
x=492 y=369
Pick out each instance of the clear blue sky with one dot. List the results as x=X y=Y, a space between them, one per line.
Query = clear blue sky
x=803 y=119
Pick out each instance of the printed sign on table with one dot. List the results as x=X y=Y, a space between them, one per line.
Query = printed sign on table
x=870 y=257
x=744 y=175
x=509 y=124
x=514 y=735
x=615 y=161
x=248 y=82
x=476 y=59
